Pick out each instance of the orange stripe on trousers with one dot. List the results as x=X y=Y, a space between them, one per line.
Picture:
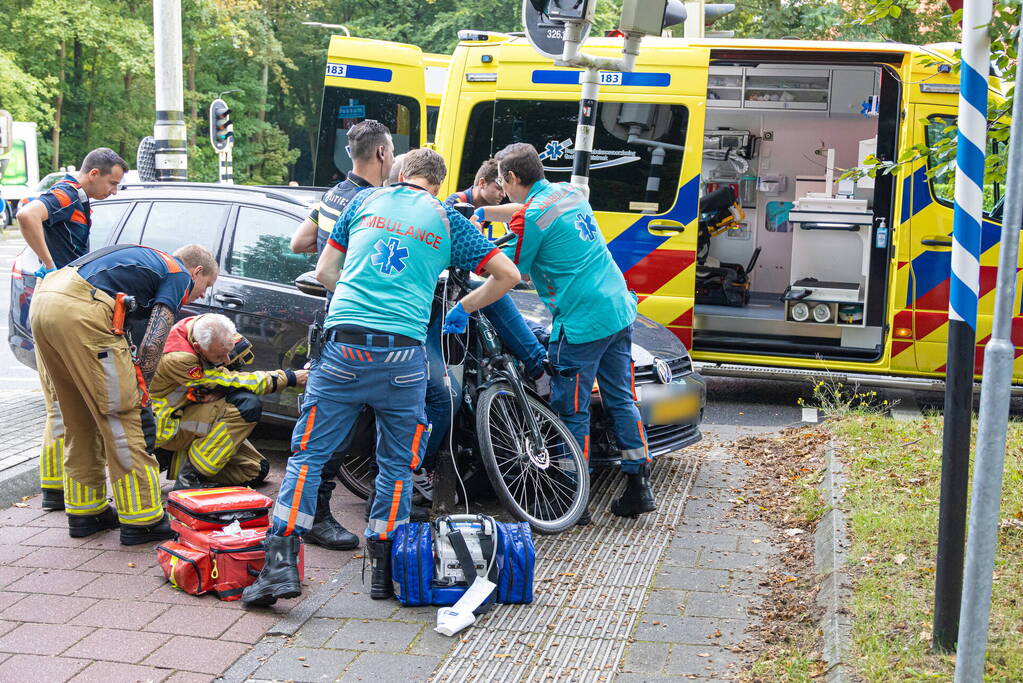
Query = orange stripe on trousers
x=308 y=428
x=415 y=445
x=586 y=448
x=296 y=499
x=359 y=352
x=632 y=380
x=642 y=437
x=395 y=500
x=577 y=392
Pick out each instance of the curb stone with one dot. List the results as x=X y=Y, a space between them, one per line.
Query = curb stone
x=19 y=481
x=830 y=543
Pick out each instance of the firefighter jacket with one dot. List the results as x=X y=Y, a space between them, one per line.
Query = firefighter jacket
x=183 y=377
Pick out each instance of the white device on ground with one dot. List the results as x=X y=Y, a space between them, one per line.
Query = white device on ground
x=451 y=620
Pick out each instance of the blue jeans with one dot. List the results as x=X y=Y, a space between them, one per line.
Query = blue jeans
x=392 y=381
x=609 y=361
x=517 y=338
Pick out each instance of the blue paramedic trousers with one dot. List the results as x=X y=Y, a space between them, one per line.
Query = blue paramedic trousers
x=392 y=381
x=609 y=361
x=517 y=338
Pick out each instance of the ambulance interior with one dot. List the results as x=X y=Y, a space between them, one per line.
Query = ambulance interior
x=788 y=262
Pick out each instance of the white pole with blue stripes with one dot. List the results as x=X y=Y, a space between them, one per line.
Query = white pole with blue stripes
x=962 y=319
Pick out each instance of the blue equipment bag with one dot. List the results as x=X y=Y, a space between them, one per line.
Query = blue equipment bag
x=435 y=563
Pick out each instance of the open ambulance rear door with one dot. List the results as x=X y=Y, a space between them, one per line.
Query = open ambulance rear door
x=369 y=79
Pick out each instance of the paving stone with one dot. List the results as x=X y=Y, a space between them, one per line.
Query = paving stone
x=425 y=613
x=356 y=604
x=18 y=534
x=706 y=509
x=53 y=537
x=398 y=667
x=250 y=627
x=646 y=657
x=718 y=605
x=111 y=540
x=705 y=539
x=196 y=654
x=194 y=620
x=691 y=630
x=57 y=558
x=723 y=559
x=186 y=677
x=53 y=581
x=685 y=578
x=40 y=668
x=757 y=544
x=131 y=615
x=15 y=516
x=41 y=639
x=682 y=557
x=666 y=602
x=115 y=672
x=8 y=599
x=316 y=665
x=749 y=583
x=432 y=643
x=316 y=632
x=701 y=660
x=116 y=645
x=117 y=561
x=9 y=575
x=9 y=553
x=47 y=609
x=6 y=626
x=379 y=636
x=55 y=519
x=121 y=587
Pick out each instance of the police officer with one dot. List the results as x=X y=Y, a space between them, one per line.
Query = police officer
x=558 y=241
x=372 y=152
x=79 y=316
x=393 y=243
x=56 y=227
x=206 y=407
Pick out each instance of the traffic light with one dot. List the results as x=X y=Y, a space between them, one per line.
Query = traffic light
x=566 y=10
x=713 y=12
x=650 y=18
x=221 y=130
x=6 y=132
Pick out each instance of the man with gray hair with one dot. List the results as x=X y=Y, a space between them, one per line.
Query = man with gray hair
x=206 y=404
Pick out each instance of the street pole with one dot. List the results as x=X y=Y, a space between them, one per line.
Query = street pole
x=991 y=432
x=962 y=320
x=169 y=130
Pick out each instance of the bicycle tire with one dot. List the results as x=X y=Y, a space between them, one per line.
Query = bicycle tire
x=544 y=506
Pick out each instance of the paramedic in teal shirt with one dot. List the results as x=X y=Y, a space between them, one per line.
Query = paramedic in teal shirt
x=558 y=243
x=382 y=260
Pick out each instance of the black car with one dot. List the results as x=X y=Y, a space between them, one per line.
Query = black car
x=249 y=230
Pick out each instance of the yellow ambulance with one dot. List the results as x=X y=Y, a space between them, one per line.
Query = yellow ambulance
x=716 y=180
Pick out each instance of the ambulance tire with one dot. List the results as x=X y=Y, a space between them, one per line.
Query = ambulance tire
x=559 y=492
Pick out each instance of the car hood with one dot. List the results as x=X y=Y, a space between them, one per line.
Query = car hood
x=649 y=339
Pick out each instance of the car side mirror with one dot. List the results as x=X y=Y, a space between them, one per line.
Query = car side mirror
x=308 y=284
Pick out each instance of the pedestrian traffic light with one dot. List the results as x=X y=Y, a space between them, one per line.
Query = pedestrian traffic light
x=713 y=12
x=221 y=130
x=649 y=18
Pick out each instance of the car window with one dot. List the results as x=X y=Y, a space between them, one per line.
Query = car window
x=174 y=224
x=105 y=217
x=262 y=247
x=131 y=233
x=943 y=174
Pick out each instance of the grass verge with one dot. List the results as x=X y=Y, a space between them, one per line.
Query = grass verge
x=894 y=471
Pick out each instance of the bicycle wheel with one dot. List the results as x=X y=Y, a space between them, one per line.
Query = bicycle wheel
x=359 y=467
x=546 y=484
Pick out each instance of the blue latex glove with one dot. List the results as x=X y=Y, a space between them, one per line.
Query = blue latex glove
x=43 y=271
x=478 y=215
x=456 y=320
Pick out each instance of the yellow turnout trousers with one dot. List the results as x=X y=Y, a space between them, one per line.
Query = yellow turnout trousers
x=51 y=459
x=90 y=372
x=212 y=435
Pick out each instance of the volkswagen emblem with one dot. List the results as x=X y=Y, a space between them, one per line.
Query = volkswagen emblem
x=663 y=370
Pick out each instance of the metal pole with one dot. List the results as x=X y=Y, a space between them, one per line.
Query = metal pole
x=589 y=79
x=991 y=432
x=169 y=129
x=226 y=166
x=962 y=324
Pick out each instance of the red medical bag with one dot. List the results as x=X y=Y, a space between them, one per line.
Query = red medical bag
x=187 y=569
x=216 y=508
x=234 y=559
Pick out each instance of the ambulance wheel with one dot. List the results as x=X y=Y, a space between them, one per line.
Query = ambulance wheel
x=548 y=485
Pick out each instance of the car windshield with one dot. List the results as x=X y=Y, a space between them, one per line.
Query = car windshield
x=48 y=181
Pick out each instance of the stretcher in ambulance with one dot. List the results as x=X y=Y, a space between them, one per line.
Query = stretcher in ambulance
x=716 y=177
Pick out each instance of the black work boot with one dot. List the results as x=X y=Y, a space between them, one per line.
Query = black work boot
x=415 y=513
x=190 y=478
x=380 y=586
x=327 y=531
x=80 y=526
x=259 y=479
x=585 y=519
x=638 y=496
x=279 y=576
x=136 y=535
x=53 y=499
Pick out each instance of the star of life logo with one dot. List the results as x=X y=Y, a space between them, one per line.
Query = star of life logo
x=555 y=150
x=586 y=226
x=390 y=256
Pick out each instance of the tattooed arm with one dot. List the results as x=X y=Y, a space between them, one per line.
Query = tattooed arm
x=160 y=322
